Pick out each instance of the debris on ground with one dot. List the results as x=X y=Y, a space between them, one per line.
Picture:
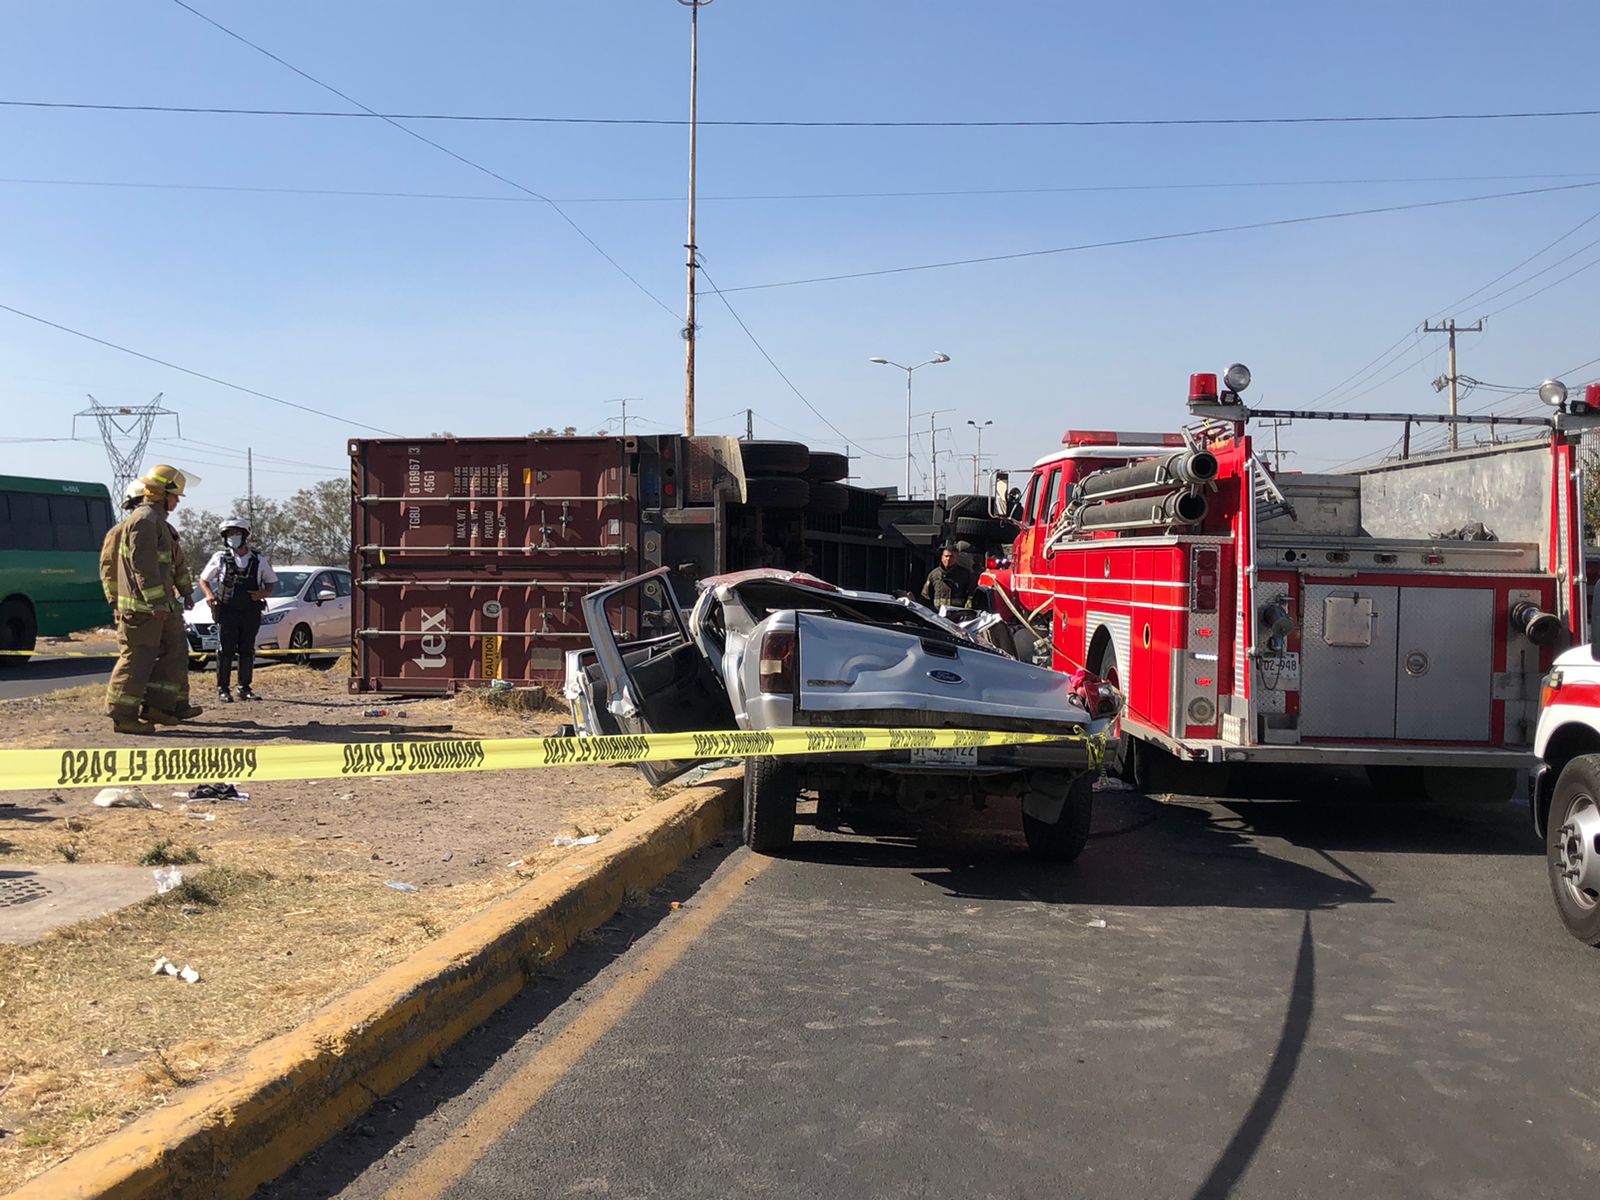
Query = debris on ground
x=214 y=791
x=167 y=878
x=587 y=840
x=122 y=797
x=400 y=887
x=165 y=966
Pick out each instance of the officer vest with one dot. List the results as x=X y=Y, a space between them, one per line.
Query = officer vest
x=238 y=582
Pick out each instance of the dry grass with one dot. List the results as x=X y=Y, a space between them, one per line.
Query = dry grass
x=95 y=1038
x=278 y=920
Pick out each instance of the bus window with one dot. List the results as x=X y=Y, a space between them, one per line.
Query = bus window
x=30 y=522
x=69 y=517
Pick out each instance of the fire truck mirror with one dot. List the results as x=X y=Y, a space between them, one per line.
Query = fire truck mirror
x=1347 y=620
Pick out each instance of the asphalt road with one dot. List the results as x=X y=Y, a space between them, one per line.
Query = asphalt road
x=1324 y=997
x=41 y=674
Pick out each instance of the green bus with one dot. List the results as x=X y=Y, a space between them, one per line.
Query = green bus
x=50 y=535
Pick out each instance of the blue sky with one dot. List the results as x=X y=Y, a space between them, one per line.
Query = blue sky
x=493 y=317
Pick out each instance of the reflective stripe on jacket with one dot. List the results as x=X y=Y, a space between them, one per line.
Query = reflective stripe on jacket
x=146 y=563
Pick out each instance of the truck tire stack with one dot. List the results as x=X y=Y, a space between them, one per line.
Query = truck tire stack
x=774 y=474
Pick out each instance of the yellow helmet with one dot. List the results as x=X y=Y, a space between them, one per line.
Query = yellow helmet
x=161 y=479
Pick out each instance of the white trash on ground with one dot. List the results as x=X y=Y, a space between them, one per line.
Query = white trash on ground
x=167 y=878
x=400 y=887
x=123 y=797
x=586 y=840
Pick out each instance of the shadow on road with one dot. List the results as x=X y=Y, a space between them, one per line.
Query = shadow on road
x=1141 y=854
x=1247 y=1139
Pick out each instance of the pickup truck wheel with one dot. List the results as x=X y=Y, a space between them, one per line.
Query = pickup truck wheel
x=1573 y=848
x=1064 y=840
x=771 y=792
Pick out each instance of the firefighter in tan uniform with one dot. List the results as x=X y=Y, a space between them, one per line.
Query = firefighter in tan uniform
x=152 y=668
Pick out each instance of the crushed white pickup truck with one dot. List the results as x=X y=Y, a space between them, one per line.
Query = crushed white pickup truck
x=768 y=649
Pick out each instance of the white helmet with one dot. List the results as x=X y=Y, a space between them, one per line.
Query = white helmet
x=234 y=523
x=133 y=494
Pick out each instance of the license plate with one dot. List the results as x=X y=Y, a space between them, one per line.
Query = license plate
x=208 y=643
x=958 y=756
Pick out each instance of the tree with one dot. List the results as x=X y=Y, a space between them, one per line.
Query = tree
x=551 y=431
x=319 y=517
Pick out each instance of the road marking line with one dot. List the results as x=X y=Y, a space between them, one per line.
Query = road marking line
x=464 y=1146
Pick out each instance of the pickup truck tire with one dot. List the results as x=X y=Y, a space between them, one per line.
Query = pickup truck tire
x=774 y=458
x=1572 y=848
x=777 y=491
x=827 y=466
x=771 y=792
x=1064 y=840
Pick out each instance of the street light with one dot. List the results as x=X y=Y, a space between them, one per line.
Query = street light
x=978 y=457
x=938 y=357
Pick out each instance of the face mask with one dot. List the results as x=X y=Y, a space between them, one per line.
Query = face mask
x=236 y=540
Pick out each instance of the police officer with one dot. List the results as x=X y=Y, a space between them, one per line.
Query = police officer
x=236 y=582
x=152 y=671
x=948 y=583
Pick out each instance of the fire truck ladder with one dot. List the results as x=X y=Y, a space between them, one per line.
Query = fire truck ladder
x=1270 y=502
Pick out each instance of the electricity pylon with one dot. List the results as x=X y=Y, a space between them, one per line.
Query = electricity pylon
x=125 y=430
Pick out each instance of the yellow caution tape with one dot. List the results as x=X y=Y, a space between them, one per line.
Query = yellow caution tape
x=22 y=770
x=49 y=652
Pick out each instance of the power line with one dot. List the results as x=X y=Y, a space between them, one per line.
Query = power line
x=773 y=364
x=439 y=146
x=675 y=122
x=1454 y=304
x=1541 y=291
x=941 y=193
x=172 y=366
x=1147 y=239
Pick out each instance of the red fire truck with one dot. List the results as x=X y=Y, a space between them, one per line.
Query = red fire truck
x=1397 y=618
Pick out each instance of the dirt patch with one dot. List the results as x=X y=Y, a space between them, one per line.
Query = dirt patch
x=285 y=903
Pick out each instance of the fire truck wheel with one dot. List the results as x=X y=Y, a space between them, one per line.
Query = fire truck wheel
x=1064 y=840
x=1573 y=848
x=771 y=791
x=777 y=491
x=779 y=458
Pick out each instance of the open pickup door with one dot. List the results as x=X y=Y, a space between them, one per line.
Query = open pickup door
x=660 y=684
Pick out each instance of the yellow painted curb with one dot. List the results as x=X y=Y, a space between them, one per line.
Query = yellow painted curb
x=227 y=1136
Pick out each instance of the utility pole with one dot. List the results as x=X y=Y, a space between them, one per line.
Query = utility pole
x=624 y=401
x=1277 y=455
x=933 y=449
x=977 y=472
x=250 y=486
x=125 y=430
x=1405 y=443
x=694 y=7
x=1450 y=327
x=979 y=455
x=749 y=425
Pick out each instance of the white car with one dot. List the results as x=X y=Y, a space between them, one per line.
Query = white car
x=769 y=649
x=1566 y=789
x=309 y=609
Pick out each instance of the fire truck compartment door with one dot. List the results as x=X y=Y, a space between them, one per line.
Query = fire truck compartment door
x=1347 y=663
x=1444 y=666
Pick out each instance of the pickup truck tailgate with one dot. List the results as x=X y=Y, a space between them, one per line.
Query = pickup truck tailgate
x=846 y=666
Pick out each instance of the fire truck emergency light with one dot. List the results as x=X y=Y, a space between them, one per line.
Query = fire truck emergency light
x=1236 y=378
x=1203 y=389
x=1553 y=392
